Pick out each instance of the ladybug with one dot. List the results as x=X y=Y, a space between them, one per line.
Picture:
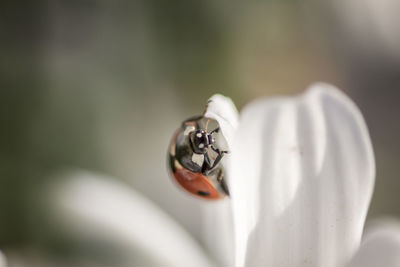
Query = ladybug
x=195 y=156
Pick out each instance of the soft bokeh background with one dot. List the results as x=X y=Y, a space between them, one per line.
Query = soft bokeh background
x=101 y=86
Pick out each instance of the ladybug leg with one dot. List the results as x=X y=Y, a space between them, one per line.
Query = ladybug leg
x=219 y=157
x=206 y=165
x=220 y=176
x=222 y=181
x=219 y=152
x=217 y=160
x=216 y=130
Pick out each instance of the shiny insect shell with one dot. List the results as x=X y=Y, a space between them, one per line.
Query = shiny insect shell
x=195 y=159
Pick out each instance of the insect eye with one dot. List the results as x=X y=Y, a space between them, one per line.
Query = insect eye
x=200 y=135
x=199 y=140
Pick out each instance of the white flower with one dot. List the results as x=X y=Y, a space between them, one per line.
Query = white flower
x=301 y=175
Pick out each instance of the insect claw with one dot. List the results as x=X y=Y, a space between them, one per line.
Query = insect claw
x=216 y=130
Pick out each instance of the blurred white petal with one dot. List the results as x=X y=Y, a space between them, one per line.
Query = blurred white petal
x=218 y=230
x=3 y=261
x=36 y=258
x=100 y=206
x=301 y=178
x=380 y=246
x=222 y=109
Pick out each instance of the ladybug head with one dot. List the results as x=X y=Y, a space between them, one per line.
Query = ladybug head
x=200 y=141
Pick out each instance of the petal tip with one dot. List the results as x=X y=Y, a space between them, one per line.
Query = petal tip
x=326 y=90
x=333 y=95
x=380 y=245
x=223 y=106
x=222 y=109
x=382 y=225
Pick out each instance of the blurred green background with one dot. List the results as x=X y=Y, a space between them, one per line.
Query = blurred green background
x=101 y=85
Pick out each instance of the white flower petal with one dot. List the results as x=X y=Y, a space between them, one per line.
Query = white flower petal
x=218 y=230
x=222 y=109
x=217 y=216
x=301 y=178
x=3 y=261
x=380 y=246
x=97 y=206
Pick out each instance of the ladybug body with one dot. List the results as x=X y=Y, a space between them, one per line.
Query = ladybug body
x=195 y=158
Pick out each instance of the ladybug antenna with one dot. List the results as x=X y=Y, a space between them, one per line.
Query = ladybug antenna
x=205 y=109
x=208 y=121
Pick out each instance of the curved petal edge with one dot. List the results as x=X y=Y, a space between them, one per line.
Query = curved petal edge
x=91 y=204
x=222 y=109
